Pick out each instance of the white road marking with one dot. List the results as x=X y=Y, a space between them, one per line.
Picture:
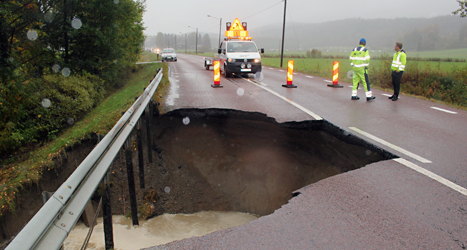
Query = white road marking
x=386 y=95
x=294 y=73
x=309 y=76
x=327 y=81
x=315 y=116
x=444 y=110
x=433 y=176
x=271 y=68
x=399 y=149
x=282 y=70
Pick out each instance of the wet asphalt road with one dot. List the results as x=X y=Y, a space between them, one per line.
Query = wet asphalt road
x=386 y=205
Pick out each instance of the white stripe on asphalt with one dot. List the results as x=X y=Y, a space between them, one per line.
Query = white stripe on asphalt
x=271 y=68
x=309 y=76
x=399 y=149
x=282 y=70
x=315 y=116
x=444 y=110
x=327 y=81
x=386 y=95
x=433 y=176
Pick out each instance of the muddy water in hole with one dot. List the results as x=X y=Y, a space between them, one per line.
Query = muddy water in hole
x=156 y=231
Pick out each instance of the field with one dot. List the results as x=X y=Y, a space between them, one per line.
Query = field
x=323 y=67
x=345 y=52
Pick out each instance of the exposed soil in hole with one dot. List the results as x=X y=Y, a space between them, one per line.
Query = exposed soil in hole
x=218 y=160
x=229 y=160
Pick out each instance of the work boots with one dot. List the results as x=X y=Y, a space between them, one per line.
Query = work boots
x=369 y=96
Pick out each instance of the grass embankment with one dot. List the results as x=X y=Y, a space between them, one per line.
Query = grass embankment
x=100 y=120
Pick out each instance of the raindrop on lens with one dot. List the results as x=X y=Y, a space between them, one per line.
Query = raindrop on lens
x=49 y=17
x=70 y=121
x=66 y=72
x=205 y=125
x=46 y=103
x=116 y=1
x=186 y=120
x=76 y=23
x=259 y=76
x=346 y=133
x=56 y=68
x=32 y=35
x=167 y=189
x=240 y=91
x=368 y=152
x=350 y=74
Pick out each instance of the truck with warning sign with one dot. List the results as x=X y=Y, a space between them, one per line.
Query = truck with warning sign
x=238 y=54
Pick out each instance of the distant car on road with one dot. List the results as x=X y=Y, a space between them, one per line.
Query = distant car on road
x=169 y=54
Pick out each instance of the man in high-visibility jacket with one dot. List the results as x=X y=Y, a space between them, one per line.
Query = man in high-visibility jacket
x=360 y=60
x=397 y=67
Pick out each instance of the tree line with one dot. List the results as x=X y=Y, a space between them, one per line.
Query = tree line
x=417 y=34
x=58 y=58
x=180 y=42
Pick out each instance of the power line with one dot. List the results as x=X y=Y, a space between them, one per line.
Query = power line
x=262 y=11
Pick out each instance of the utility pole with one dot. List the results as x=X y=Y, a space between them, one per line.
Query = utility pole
x=283 y=33
x=220 y=28
x=196 y=49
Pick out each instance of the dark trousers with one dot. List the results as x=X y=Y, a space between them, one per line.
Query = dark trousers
x=396 y=81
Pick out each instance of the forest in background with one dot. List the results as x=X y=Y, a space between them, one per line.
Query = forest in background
x=417 y=34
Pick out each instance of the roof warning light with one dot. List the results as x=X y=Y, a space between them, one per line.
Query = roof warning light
x=236 y=30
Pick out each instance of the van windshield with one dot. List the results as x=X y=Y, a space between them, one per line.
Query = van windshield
x=168 y=51
x=241 y=47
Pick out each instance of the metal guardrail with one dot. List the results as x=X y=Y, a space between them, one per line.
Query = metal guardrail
x=51 y=225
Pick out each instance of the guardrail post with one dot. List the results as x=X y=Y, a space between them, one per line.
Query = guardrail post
x=131 y=183
x=148 y=131
x=107 y=215
x=140 y=154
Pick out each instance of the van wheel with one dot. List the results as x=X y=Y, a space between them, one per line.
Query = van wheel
x=227 y=74
x=206 y=66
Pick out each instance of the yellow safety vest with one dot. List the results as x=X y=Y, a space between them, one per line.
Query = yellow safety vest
x=398 y=61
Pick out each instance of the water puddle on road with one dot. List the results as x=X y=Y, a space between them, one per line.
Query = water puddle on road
x=156 y=231
x=173 y=92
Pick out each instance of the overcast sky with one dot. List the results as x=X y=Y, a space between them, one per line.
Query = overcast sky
x=174 y=16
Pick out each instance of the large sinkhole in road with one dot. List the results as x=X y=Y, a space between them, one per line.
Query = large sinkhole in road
x=227 y=160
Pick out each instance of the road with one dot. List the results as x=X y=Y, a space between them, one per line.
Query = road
x=417 y=201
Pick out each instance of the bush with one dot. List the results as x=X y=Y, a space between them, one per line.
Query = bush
x=69 y=98
x=426 y=81
x=314 y=53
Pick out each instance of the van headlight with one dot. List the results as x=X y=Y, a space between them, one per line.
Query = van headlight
x=230 y=60
x=258 y=60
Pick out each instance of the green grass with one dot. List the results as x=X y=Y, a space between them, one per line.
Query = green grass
x=323 y=67
x=451 y=53
x=345 y=52
x=100 y=120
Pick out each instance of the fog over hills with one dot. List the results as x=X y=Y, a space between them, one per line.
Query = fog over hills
x=444 y=32
x=417 y=34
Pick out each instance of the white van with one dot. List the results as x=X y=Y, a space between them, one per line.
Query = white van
x=239 y=56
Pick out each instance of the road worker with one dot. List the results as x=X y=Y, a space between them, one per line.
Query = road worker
x=360 y=60
x=397 y=67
